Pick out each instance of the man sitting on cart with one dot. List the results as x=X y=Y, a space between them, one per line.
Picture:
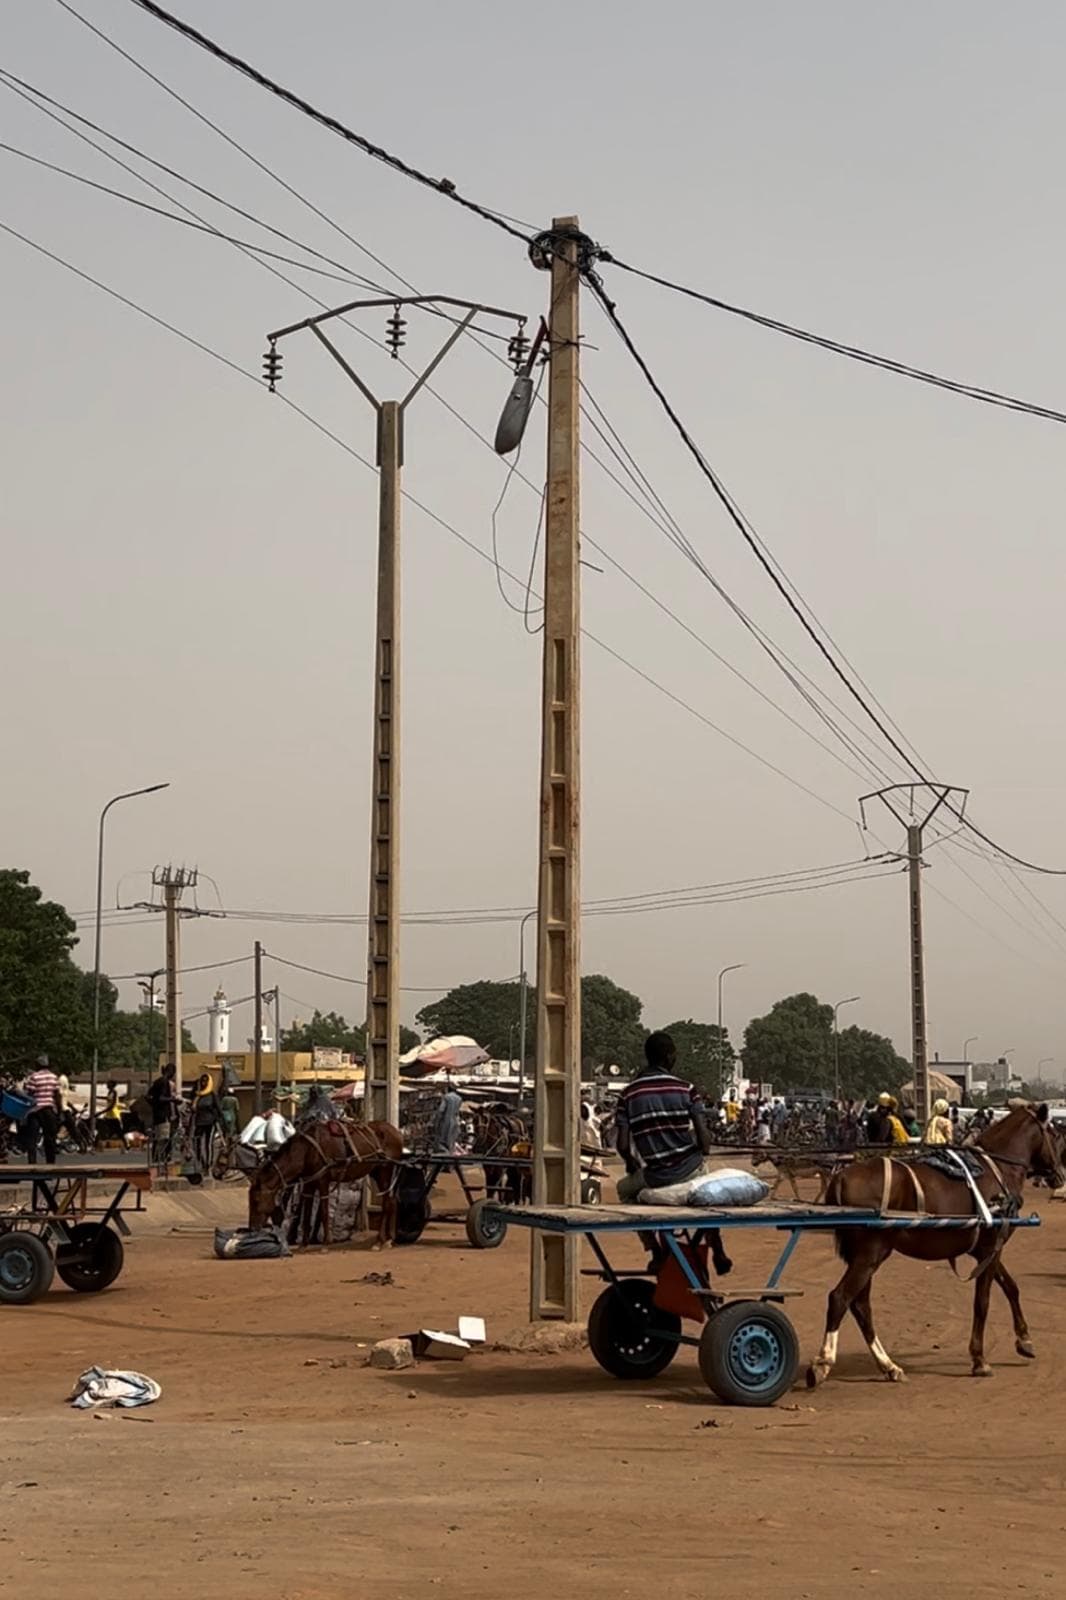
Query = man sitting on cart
x=662 y=1134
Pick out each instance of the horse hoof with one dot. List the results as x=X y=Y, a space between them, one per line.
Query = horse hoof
x=981 y=1370
x=723 y=1266
x=896 y=1375
x=1024 y=1348
x=816 y=1374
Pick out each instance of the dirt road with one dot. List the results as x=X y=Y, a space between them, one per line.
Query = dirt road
x=277 y=1466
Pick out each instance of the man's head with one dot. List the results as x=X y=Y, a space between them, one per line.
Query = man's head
x=43 y=1061
x=940 y=1108
x=886 y=1102
x=170 y=1070
x=659 y=1051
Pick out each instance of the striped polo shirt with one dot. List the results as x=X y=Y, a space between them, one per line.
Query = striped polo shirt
x=657 y=1109
x=41 y=1087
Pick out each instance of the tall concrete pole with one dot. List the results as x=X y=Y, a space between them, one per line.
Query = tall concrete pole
x=257 y=1043
x=382 y=1096
x=918 y=1024
x=556 y=1152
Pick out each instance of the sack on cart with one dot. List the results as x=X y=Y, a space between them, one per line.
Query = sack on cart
x=728 y=1186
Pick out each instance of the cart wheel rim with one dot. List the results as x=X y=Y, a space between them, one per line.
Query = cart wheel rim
x=635 y=1337
x=756 y=1356
x=17 y=1268
x=490 y=1227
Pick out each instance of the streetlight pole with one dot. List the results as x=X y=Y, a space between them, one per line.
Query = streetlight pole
x=966 y=1046
x=130 y=794
x=721 y=1041
x=147 y=987
x=523 y=988
x=850 y=1001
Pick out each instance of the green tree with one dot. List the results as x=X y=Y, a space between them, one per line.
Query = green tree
x=328 y=1029
x=611 y=1029
x=43 y=996
x=700 y=1057
x=869 y=1064
x=792 y=1046
x=132 y=1041
x=487 y=1011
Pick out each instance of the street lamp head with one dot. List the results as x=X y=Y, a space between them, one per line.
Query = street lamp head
x=153 y=788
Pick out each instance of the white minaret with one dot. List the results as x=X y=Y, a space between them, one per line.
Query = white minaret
x=218 y=1025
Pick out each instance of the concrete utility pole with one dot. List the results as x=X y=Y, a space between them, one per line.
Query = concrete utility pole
x=557 y=1115
x=258 y=1045
x=174 y=881
x=381 y=1100
x=915 y=827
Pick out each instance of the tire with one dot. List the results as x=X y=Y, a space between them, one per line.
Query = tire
x=411 y=1219
x=27 y=1268
x=102 y=1256
x=484 y=1233
x=628 y=1334
x=591 y=1194
x=749 y=1353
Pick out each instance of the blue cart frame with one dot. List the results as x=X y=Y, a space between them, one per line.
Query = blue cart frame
x=748 y=1350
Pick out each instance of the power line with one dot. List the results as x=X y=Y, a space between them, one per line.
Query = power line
x=903 y=369
x=233 y=143
x=442 y=186
x=484 y=555
x=774 y=572
x=522 y=230
x=33 y=96
x=172 y=216
x=340 y=977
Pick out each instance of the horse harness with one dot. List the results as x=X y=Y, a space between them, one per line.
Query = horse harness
x=374 y=1157
x=982 y=1220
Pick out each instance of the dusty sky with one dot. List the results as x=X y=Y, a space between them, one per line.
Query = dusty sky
x=189 y=572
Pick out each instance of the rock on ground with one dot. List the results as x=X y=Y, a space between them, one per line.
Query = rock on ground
x=392 y=1354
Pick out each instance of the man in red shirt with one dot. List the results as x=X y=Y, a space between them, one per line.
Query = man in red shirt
x=42 y=1124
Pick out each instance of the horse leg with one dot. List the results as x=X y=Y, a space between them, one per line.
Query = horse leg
x=387 y=1215
x=982 y=1293
x=792 y=1181
x=858 y=1274
x=323 y=1212
x=1022 y=1342
x=863 y=1314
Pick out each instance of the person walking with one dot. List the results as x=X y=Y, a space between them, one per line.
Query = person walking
x=163 y=1099
x=206 y=1116
x=42 y=1123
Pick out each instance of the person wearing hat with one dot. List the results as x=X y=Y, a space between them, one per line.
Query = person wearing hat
x=883 y=1126
x=939 y=1129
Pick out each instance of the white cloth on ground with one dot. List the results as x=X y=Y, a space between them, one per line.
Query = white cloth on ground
x=98 y=1386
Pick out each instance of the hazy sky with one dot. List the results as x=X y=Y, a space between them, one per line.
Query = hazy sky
x=189 y=572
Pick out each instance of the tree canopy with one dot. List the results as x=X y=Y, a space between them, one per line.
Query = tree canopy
x=489 y=1011
x=792 y=1048
x=328 y=1029
x=44 y=1003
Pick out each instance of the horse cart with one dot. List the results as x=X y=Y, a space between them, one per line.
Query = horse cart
x=505 y=1181
x=748 y=1349
x=56 y=1224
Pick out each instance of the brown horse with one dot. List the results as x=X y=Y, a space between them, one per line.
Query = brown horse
x=327 y=1153
x=1009 y=1151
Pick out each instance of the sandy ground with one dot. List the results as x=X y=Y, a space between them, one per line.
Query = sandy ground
x=278 y=1466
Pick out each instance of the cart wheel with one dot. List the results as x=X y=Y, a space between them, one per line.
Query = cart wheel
x=411 y=1219
x=590 y=1192
x=484 y=1232
x=26 y=1268
x=628 y=1334
x=91 y=1259
x=749 y=1354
